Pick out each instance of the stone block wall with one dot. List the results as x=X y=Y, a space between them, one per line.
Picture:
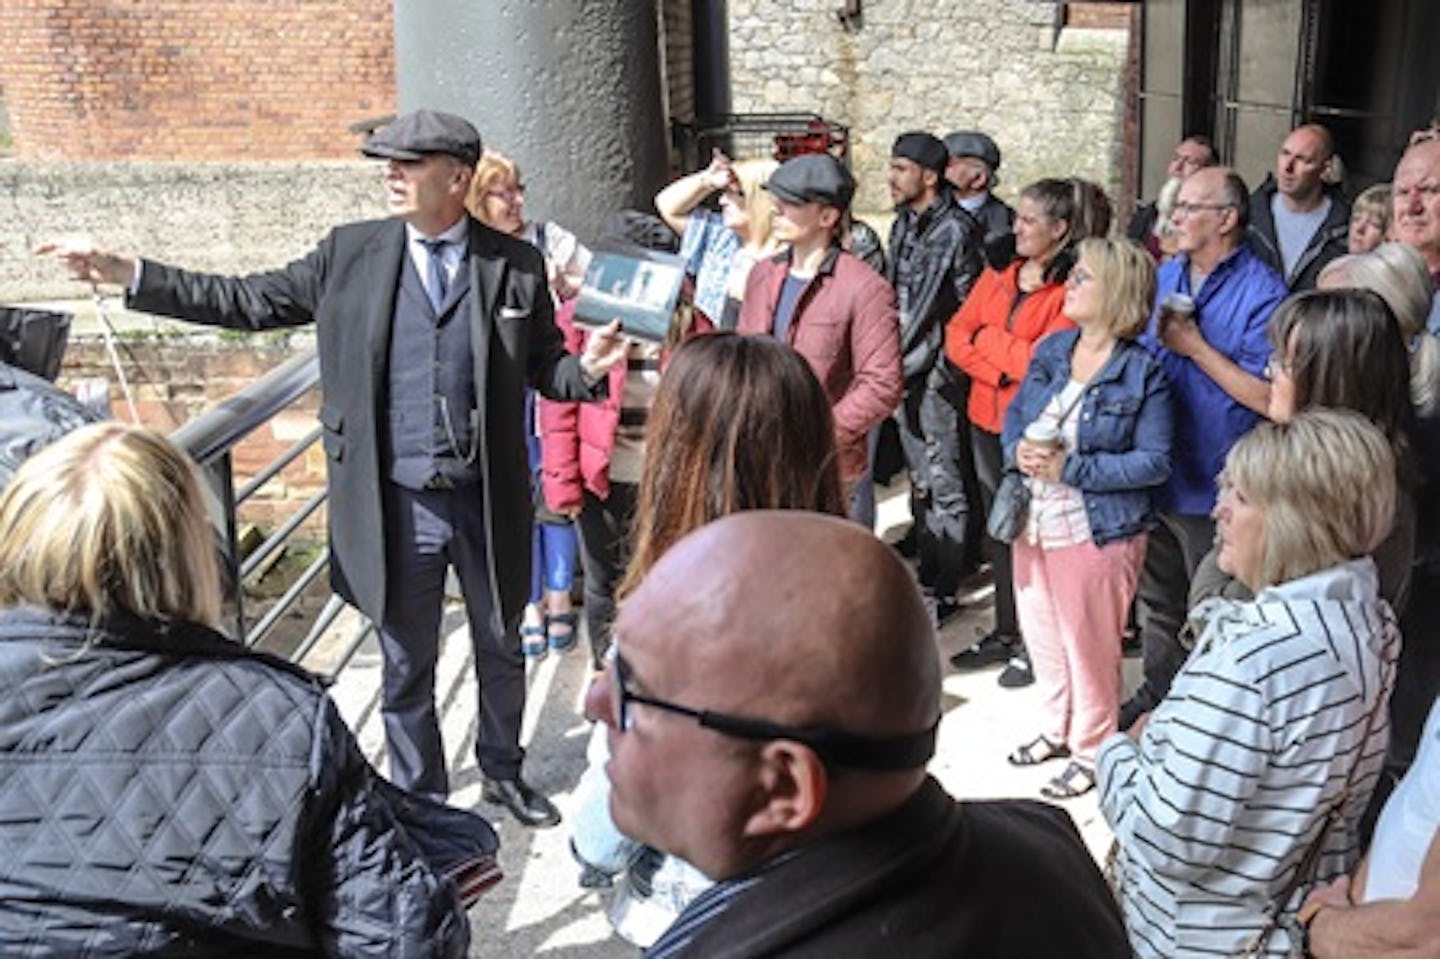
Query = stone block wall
x=194 y=79
x=228 y=217
x=175 y=377
x=1054 y=104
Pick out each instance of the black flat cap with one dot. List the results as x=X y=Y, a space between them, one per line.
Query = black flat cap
x=413 y=135
x=973 y=143
x=923 y=148
x=813 y=177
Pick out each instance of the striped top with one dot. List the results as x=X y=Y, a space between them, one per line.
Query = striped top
x=1230 y=781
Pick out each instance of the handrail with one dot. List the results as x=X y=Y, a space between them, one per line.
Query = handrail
x=209 y=439
x=217 y=430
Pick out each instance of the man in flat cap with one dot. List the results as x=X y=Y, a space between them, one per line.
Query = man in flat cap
x=934 y=259
x=973 y=172
x=773 y=730
x=429 y=326
x=834 y=310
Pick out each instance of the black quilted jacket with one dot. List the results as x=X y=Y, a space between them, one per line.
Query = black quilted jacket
x=175 y=794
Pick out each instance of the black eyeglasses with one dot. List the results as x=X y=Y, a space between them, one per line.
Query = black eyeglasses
x=836 y=747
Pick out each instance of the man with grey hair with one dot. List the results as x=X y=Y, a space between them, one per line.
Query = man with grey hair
x=1415 y=195
x=1215 y=355
x=973 y=171
x=1193 y=153
x=773 y=730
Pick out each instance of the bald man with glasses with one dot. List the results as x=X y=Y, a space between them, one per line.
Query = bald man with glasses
x=773 y=730
x=1215 y=360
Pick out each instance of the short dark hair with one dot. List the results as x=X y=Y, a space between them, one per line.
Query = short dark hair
x=1200 y=139
x=1083 y=206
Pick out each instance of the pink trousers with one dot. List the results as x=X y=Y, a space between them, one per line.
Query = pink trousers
x=1072 y=604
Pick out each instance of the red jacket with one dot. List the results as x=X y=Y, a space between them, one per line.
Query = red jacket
x=577 y=439
x=991 y=338
x=846 y=326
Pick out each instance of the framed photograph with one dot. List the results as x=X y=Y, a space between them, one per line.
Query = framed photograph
x=637 y=288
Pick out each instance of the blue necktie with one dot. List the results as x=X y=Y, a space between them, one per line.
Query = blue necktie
x=439 y=281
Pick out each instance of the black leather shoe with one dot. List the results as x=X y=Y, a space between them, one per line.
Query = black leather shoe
x=531 y=808
x=993 y=648
x=1132 y=709
x=1017 y=673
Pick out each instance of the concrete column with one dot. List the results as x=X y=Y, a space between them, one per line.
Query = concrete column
x=569 y=90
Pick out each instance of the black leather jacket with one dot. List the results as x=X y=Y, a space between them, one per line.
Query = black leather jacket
x=1328 y=242
x=934 y=260
x=171 y=793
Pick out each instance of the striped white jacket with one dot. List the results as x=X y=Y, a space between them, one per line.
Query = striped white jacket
x=1229 y=784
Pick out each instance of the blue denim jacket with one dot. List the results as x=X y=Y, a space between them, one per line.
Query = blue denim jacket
x=1123 y=433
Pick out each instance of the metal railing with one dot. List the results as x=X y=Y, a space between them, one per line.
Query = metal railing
x=210 y=439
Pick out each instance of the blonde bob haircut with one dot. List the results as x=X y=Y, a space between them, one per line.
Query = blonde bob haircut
x=109 y=520
x=1326 y=483
x=1126 y=278
x=752 y=176
x=495 y=169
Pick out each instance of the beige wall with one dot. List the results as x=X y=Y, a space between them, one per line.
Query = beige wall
x=1056 y=109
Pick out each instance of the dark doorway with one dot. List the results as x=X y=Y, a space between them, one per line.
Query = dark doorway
x=1244 y=72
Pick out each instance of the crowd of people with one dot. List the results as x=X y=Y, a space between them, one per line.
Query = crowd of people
x=1221 y=429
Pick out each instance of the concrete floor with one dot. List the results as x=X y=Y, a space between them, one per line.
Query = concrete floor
x=539 y=909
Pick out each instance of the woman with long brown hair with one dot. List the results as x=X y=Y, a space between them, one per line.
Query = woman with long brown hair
x=738 y=423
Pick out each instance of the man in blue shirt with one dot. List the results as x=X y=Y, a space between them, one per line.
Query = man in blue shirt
x=1216 y=361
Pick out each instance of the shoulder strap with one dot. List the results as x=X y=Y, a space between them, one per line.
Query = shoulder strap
x=1065 y=414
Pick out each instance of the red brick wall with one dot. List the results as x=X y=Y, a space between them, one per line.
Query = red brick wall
x=194 y=79
x=173 y=379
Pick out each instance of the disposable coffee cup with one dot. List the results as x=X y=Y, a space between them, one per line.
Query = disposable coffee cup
x=1173 y=306
x=1043 y=434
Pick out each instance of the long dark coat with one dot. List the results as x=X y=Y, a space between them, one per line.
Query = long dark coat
x=347 y=286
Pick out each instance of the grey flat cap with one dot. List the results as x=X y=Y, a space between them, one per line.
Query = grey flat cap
x=973 y=143
x=413 y=135
x=813 y=177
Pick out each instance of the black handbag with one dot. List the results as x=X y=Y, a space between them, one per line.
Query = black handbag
x=1010 y=509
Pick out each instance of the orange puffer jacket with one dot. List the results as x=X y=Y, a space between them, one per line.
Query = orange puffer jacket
x=993 y=334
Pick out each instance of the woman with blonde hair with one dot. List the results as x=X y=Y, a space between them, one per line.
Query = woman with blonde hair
x=1090 y=430
x=497 y=199
x=1369 y=219
x=719 y=249
x=166 y=789
x=1247 y=782
x=1010 y=309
